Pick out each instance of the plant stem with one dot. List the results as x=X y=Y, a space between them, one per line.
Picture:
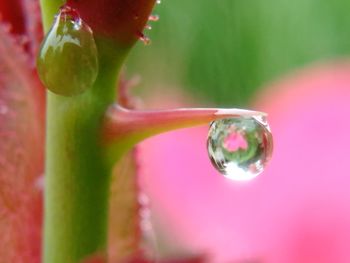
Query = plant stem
x=77 y=175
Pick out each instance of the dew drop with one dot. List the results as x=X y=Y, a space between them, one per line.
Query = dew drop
x=145 y=39
x=153 y=18
x=158 y=2
x=148 y=27
x=239 y=148
x=67 y=62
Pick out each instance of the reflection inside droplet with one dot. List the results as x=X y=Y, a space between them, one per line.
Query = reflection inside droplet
x=239 y=148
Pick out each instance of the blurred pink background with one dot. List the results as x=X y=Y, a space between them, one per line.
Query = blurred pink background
x=296 y=211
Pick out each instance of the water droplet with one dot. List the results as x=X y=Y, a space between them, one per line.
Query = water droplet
x=67 y=61
x=158 y=2
x=149 y=27
x=239 y=148
x=153 y=18
x=145 y=39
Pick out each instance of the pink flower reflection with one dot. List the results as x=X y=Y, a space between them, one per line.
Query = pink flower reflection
x=235 y=141
x=298 y=210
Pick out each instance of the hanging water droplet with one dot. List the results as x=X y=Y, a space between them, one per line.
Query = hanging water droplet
x=239 y=148
x=153 y=18
x=67 y=62
x=158 y=2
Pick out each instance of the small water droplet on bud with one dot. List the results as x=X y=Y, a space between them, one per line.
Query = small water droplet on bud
x=148 y=27
x=145 y=39
x=239 y=148
x=158 y=2
x=154 y=18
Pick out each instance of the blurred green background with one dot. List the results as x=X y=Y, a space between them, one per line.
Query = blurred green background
x=224 y=50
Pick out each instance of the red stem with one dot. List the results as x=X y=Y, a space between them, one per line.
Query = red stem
x=121 y=123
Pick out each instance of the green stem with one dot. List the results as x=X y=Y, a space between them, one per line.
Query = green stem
x=48 y=10
x=77 y=175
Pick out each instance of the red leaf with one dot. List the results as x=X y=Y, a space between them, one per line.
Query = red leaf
x=12 y=13
x=24 y=20
x=21 y=154
x=33 y=26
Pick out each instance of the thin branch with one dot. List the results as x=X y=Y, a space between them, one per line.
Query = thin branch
x=121 y=123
